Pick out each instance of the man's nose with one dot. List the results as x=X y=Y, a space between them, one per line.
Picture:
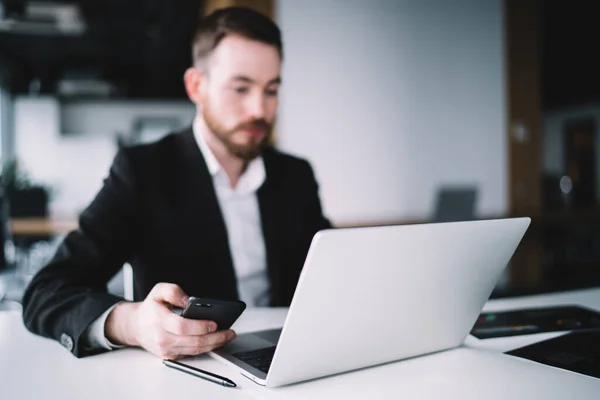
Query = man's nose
x=256 y=107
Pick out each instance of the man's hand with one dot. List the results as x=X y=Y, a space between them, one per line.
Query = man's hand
x=152 y=325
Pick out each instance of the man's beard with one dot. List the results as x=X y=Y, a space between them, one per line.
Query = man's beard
x=246 y=152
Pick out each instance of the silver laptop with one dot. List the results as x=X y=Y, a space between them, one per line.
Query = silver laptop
x=368 y=296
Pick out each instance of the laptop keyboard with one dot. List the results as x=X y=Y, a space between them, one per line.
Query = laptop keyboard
x=259 y=359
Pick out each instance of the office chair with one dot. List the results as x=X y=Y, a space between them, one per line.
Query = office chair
x=122 y=283
x=455 y=204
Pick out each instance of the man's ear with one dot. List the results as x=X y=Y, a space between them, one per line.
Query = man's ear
x=193 y=80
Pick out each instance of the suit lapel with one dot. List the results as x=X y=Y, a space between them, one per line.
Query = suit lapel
x=270 y=203
x=200 y=209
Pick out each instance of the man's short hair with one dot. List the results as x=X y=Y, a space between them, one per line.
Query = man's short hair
x=241 y=21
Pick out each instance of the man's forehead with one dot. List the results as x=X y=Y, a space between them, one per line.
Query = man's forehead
x=236 y=56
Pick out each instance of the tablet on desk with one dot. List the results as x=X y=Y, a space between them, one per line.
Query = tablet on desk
x=576 y=351
x=535 y=320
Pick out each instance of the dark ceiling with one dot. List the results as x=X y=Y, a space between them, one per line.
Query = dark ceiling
x=570 y=67
x=139 y=46
x=142 y=48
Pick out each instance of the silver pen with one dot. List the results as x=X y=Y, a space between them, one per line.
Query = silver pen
x=209 y=376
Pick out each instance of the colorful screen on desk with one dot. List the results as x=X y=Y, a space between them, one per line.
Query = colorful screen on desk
x=534 y=320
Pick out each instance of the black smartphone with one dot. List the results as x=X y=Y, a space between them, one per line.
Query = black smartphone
x=535 y=320
x=223 y=312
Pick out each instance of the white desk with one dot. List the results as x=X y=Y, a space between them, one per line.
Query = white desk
x=36 y=368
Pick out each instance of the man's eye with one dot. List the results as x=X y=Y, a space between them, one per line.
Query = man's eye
x=271 y=92
x=241 y=90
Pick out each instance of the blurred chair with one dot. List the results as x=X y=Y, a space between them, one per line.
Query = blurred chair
x=455 y=204
x=29 y=202
x=32 y=250
x=5 y=240
x=10 y=306
x=122 y=283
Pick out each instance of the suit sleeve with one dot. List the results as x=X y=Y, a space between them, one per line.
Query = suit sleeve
x=67 y=295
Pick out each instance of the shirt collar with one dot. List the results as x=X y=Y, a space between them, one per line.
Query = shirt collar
x=252 y=178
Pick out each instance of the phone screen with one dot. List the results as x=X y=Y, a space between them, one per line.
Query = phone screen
x=534 y=320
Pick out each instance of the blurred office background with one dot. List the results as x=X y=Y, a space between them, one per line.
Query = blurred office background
x=409 y=110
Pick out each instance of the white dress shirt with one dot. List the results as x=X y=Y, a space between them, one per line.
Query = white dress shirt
x=241 y=214
x=242 y=220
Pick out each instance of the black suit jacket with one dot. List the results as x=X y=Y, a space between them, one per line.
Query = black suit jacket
x=158 y=211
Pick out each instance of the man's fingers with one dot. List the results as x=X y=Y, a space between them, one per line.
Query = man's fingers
x=203 y=342
x=169 y=293
x=173 y=323
x=173 y=346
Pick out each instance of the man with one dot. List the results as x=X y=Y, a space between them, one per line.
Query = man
x=212 y=211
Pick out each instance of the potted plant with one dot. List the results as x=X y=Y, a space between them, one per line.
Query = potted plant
x=25 y=199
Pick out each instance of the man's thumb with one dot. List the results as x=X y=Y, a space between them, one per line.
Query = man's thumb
x=169 y=293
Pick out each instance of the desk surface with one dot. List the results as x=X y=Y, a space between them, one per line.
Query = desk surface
x=42 y=226
x=36 y=368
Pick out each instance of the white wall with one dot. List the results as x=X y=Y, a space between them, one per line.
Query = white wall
x=387 y=98
x=71 y=147
x=391 y=98
x=36 y=136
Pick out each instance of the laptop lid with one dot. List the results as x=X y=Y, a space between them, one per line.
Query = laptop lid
x=368 y=296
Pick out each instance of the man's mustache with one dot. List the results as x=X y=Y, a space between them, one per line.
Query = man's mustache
x=255 y=124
